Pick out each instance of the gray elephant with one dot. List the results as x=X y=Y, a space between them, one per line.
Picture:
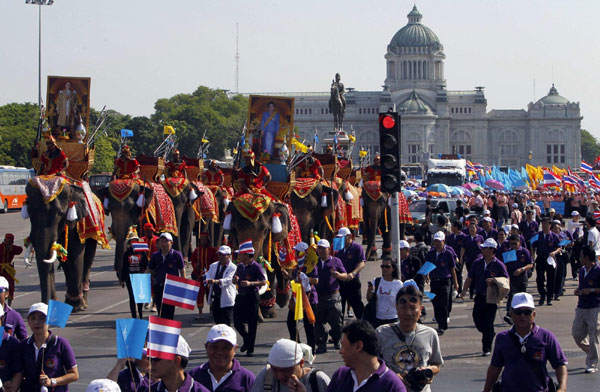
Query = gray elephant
x=374 y=217
x=310 y=209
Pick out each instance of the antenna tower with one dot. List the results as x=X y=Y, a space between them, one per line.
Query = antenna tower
x=237 y=61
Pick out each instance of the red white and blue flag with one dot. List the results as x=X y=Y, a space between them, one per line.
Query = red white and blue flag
x=586 y=168
x=569 y=180
x=594 y=182
x=140 y=246
x=576 y=177
x=551 y=179
x=246 y=247
x=180 y=292
x=163 y=337
x=597 y=215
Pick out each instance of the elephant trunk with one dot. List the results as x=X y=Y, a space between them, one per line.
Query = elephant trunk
x=42 y=241
x=121 y=221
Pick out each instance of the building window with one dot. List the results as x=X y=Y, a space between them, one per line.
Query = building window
x=413 y=153
x=469 y=110
x=463 y=149
x=555 y=153
x=508 y=149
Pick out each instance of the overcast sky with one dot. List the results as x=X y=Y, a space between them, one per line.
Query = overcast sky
x=137 y=51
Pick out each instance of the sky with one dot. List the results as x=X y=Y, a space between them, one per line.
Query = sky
x=138 y=51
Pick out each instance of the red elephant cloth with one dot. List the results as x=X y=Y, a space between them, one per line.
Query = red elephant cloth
x=92 y=225
x=7 y=269
x=126 y=169
x=206 y=203
x=50 y=186
x=304 y=186
x=251 y=205
x=404 y=213
x=201 y=259
x=175 y=185
x=372 y=189
x=162 y=211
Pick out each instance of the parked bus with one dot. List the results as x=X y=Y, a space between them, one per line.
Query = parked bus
x=12 y=186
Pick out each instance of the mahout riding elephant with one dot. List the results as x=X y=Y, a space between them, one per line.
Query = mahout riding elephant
x=375 y=210
x=214 y=227
x=54 y=220
x=310 y=209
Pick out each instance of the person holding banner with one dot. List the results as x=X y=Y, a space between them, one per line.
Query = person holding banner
x=222 y=291
x=48 y=360
x=134 y=262
x=166 y=261
x=518 y=261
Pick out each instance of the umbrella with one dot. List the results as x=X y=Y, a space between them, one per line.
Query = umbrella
x=438 y=188
x=467 y=192
x=494 y=184
x=408 y=192
x=456 y=190
x=471 y=186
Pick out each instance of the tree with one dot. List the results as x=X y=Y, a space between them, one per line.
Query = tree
x=590 y=147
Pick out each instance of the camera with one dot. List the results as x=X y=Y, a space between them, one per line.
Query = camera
x=418 y=378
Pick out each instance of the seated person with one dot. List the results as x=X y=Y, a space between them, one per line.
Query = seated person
x=125 y=167
x=310 y=167
x=214 y=175
x=176 y=167
x=373 y=172
x=254 y=174
x=54 y=160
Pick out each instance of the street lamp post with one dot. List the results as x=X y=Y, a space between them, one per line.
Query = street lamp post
x=39 y=3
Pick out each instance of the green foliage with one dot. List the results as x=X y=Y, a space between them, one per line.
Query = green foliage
x=590 y=147
x=205 y=110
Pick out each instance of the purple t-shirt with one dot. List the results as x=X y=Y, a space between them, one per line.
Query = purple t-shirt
x=327 y=283
x=170 y=264
x=518 y=374
x=58 y=357
x=479 y=273
x=10 y=358
x=252 y=273
x=382 y=380
x=523 y=259
x=493 y=233
x=472 y=248
x=445 y=261
x=351 y=256
x=127 y=384
x=545 y=244
x=241 y=379
x=456 y=241
x=189 y=385
x=14 y=324
x=589 y=281
x=528 y=229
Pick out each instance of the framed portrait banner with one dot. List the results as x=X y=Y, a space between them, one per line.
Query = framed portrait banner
x=270 y=125
x=67 y=100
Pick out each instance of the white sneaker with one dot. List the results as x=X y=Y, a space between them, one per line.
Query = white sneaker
x=591 y=370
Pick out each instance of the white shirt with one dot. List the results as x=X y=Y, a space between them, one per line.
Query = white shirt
x=215 y=383
x=594 y=238
x=357 y=386
x=386 y=299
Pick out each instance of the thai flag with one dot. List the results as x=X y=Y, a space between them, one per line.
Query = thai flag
x=163 y=336
x=478 y=166
x=569 y=180
x=585 y=167
x=551 y=179
x=576 y=177
x=180 y=292
x=470 y=166
x=597 y=215
x=140 y=247
x=594 y=182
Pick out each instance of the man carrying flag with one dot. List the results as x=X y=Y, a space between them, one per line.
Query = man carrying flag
x=135 y=261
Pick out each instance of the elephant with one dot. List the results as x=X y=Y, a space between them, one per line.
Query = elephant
x=184 y=216
x=49 y=225
x=374 y=218
x=125 y=213
x=310 y=213
x=215 y=229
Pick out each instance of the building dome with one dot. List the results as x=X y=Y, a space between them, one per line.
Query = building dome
x=413 y=105
x=414 y=34
x=553 y=98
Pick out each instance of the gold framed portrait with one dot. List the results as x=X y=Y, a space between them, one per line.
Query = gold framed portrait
x=67 y=100
x=270 y=125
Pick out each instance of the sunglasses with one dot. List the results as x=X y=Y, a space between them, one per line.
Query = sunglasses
x=521 y=312
x=386 y=266
x=412 y=300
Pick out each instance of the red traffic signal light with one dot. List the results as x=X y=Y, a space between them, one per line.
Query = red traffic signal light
x=387 y=121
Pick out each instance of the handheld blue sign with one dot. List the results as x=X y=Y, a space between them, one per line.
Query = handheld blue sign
x=140 y=284
x=426 y=268
x=58 y=313
x=534 y=238
x=564 y=242
x=339 y=243
x=509 y=256
x=131 y=336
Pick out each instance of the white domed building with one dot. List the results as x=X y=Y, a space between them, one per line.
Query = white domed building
x=437 y=121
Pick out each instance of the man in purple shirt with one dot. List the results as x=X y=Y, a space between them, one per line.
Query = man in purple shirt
x=585 y=324
x=472 y=248
x=165 y=261
x=441 y=279
x=517 y=271
x=222 y=372
x=172 y=374
x=523 y=352
x=11 y=320
x=456 y=241
x=529 y=227
x=544 y=247
x=353 y=259
x=363 y=371
x=11 y=366
x=483 y=273
x=249 y=277
x=488 y=231
x=329 y=309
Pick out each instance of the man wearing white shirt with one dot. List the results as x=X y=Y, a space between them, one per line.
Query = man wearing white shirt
x=593 y=238
x=222 y=291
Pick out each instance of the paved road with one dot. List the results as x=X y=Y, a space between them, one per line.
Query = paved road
x=92 y=333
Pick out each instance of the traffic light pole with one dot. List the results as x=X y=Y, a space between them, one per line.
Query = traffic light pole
x=395 y=218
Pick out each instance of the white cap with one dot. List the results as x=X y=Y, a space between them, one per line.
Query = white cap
x=403 y=244
x=440 y=236
x=183 y=348
x=103 y=385
x=514 y=227
x=224 y=250
x=522 y=300
x=221 y=332
x=574 y=213
x=3 y=283
x=301 y=246
x=489 y=243
x=515 y=205
x=168 y=236
x=323 y=243
x=286 y=353
x=487 y=219
x=344 y=231
x=38 y=307
x=486 y=212
x=556 y=222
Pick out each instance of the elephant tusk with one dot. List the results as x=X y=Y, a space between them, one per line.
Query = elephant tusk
x=226 y=202
x=324 y=200
x=24 y=212
x=52 y=258
x=26 y=256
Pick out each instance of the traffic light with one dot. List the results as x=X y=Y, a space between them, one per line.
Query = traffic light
x=389 y=144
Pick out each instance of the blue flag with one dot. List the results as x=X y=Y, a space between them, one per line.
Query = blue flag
x=58 y=313
x=509 y=256
x=140 y=284
x=126 y=133
x=339 y=243
x=316 y=138
x=429 y=295
x=564 y=242
x=426 y=268
x=131 y=336
x=1 y=335
x=533 y=239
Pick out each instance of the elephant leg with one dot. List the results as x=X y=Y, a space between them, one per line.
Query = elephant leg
x=46 y=274
x=371 y=228
x=73 y=270
x=88 y=259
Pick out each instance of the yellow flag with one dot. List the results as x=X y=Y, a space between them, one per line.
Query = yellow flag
x=299 y=310
x=204 y=141
x=299 y=146
x=362 y=153
x=352 y=138
x=169 y=130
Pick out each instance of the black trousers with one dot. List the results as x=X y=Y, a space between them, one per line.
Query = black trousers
x=350 y=292
x=329 y=310
x=459 y=275
x=221 y=315
x=518 y=284
x=545 y=276
x=309 y=329
x=136 y=309
x=484 y=315
x=245 y=311
x=561 y=273
x=441 y=309
x=164 y=310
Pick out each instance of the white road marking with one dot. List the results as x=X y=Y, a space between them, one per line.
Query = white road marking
x=101 y=310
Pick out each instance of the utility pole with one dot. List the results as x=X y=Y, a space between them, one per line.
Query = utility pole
x=237 y=60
